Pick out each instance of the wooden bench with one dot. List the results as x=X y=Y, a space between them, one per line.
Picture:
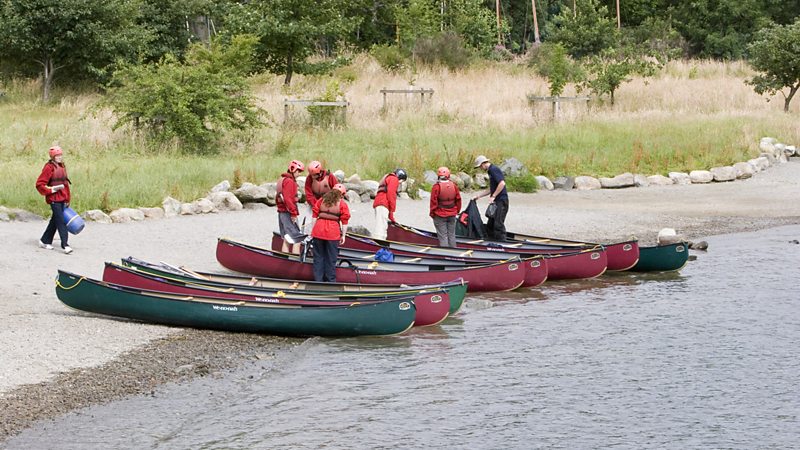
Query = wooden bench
x=556 y=101
x=287 y=103
x=422 y=92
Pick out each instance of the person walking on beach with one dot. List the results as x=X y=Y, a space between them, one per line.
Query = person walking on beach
x=318 y=183
x=498 y=195
x=445 y=206
x=54 y=183
x=385 y=202
x=330 y=215
x=286 y=199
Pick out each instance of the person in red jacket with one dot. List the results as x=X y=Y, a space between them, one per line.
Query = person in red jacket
x=286 y=200
x=330 y=215
x=385 y=202
x=54 y=183
x=445 y=206
x=318 y=183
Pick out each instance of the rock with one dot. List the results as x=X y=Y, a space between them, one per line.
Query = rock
x=256 y=206
x=544 y=183
x=171 y=207
x=767 y=145
x=794 y=241
x=124 y=215
x=744 y=170
x=782 y=158
x=660 y=180
x=791 y=150
x=18 y=215
x=459 y=183
x=700 y=245
x=354 y=179
x=640 y=180
x=668 y=236
x=620 y=181
x=404 y=196
x=564 y=183
x=365 y=197
x=225 y=201
x=224 y=186
x=205 y=206
x=680 y=178
x=370 y=187
x=584 y=183
x=358 y=187
x=430 y=177
x=768 y=140
x=411 y=184
x=250 y=193
x=95 y=215
x=466 y=179
x=189 y=209
x=770 y=157
x=726 y=173
x=353 y=197
x=481 y=180
x=512 y=167
x=4 y=217
x=701 y=176
x=339 y=174
x=423 y=193
x=153 y=213
x=760 y=163
x=359 y=229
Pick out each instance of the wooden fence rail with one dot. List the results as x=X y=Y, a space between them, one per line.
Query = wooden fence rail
x=421 y=91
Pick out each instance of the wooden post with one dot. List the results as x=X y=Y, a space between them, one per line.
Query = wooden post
x=555 y=108
x=285 y=111
x=384 y=98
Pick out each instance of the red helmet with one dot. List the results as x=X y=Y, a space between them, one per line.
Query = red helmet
x=55 y=151
x=340 y=187
x=296 y=166
x=443 y=172
x=314 y=167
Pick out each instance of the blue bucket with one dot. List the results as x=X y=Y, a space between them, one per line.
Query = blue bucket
x=74 y=222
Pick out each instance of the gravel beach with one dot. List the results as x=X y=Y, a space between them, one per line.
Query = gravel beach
x=54 y=359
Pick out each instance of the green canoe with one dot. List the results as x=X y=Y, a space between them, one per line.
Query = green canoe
x=456 y=290
x=382 y=318
x=662 y=258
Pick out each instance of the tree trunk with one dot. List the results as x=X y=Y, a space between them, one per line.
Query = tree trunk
x=788 y=99
x=47 y=81
x=497 y=11
x=619 y=22
x=536 y=38
x=612 y=97
x=289 y=69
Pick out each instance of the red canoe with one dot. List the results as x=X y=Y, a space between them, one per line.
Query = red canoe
x=535 y=266
x=562 y=263
x=501 y=276
x=432 y=306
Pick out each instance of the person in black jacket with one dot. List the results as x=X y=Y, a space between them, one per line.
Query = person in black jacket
x=498 y=195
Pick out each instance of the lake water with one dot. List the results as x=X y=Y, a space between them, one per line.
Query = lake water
x=705 y=358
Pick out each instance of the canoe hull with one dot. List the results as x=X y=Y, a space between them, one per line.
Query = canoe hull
x=381 y=318
x=662 y=258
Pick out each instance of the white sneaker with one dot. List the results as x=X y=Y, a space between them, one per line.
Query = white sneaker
x=68 y=250
x=45 y=246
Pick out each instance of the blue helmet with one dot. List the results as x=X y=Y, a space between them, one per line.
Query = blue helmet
x=401 y=174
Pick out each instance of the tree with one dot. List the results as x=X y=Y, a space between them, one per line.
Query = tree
x=288 y=30
x=193 y=101
x=614 y=66
x=776 y=54
x=87 y=35
x=588 y=32
x=552 y=62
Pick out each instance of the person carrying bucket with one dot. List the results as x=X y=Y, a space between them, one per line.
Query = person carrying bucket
x=53 y=183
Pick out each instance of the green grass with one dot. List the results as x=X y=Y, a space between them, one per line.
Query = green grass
x=132 y=174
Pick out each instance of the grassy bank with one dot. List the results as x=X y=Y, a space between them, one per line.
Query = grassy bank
x=694 y=115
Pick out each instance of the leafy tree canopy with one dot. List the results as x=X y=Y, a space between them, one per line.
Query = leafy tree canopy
x=776 y=54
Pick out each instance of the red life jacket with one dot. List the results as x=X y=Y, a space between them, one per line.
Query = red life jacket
x=321 y=187
x=329 y=212
x=59 y=175
x=447 y=194
x=382 y=184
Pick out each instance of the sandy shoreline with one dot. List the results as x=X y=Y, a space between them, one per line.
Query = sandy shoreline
x=53 y=359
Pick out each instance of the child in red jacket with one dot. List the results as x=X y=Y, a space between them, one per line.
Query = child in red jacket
x=53 y=183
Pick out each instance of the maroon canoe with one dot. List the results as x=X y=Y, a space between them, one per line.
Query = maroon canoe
x=562 y=264
x=535 y=266
x=501 y=276
x=432 y=306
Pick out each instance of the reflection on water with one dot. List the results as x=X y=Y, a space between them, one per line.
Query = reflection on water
x=703 y=358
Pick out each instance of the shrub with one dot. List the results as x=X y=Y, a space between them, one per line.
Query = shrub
x=390 y=57
x=522 y=183
x=328 y=116
x=445 y=49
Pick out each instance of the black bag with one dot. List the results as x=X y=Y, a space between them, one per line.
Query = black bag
x=491 y=210
x=470 y=223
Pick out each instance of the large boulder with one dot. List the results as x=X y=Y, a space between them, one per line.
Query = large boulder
x=680 y=178
x=224 y=186
x=354 y=179
x=430 y=177
x=171 y=207
x=18 y=215
x=584 y=183
x=358 y=187
x=544 y=183
x=225 y=201
x=459 y=183
x=791 y=150
x=512 y=167
x=339 y=174
x=620 y=181
x=760 y=163
x=482 y=180
x=365 y=198
x=770 y=157
x=564 y=183
x=726 y=173
x=370 y=187
x=660 y=180
x=124 y=215
x=205 y=206
x=640 y=180
x=250 y=193
x=701 y=176
x=466 y=179
x=353 y=197
x=153 y=213
x=744 y=170
x=95 y=215
x=668 y=236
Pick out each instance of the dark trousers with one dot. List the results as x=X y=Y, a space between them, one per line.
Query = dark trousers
x=496 y=226
x=56 y=223
x=325 y=254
